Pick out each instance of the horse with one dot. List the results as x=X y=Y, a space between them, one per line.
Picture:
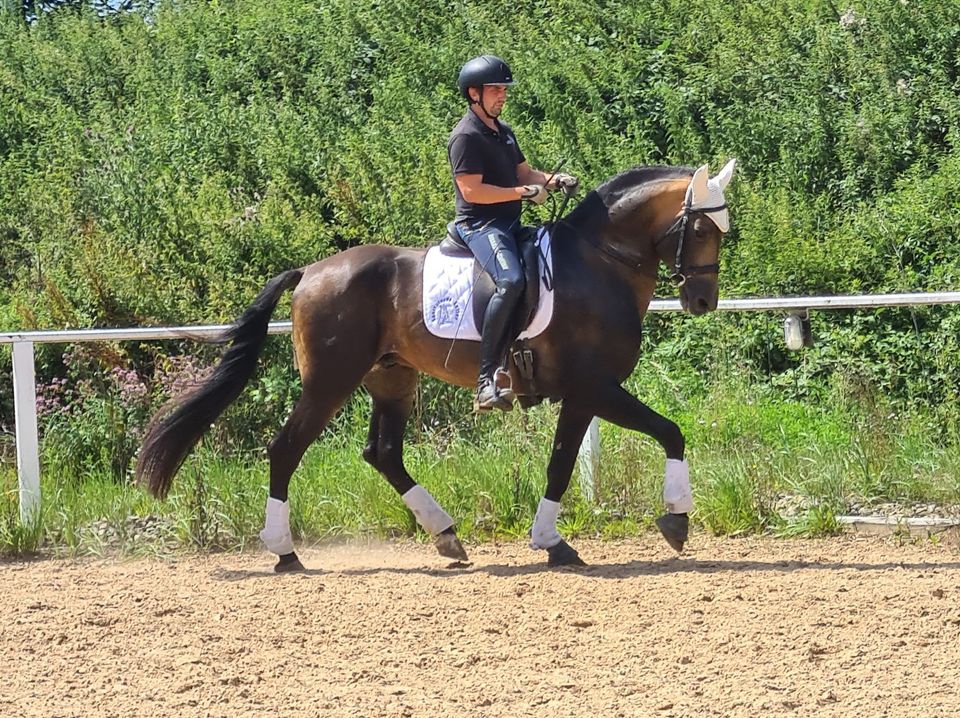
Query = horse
x=358 y=319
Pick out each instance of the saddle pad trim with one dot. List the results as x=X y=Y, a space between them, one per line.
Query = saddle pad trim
x=448 y=289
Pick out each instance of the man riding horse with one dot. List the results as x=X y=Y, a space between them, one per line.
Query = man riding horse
x=491 y=177
x=359 y=319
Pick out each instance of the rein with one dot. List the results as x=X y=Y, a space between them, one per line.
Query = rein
x=679 y=276
x=616 y=254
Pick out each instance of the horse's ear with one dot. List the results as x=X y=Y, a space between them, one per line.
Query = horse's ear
x=723 y=176
x=698 y=191
x=706 y=194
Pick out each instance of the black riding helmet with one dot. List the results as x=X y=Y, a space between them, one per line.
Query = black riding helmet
x=483 y=70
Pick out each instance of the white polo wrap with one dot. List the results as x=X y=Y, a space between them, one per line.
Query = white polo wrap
x=430 y=515
x=544 y=534
x=276 y=533
x=676 y=487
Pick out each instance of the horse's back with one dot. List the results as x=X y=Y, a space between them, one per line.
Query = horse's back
x=368 y=262
x=362 y=293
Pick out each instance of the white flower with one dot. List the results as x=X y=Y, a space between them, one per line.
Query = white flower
x=851 y=21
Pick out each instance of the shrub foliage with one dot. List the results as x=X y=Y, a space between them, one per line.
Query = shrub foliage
x=158 y=165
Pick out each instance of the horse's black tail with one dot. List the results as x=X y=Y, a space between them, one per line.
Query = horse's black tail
x=178 y=426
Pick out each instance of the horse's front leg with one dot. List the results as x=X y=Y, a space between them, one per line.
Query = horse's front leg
x=615 y=404
x=571 y=427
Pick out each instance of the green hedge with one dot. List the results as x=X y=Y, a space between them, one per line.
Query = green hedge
x=159 y=168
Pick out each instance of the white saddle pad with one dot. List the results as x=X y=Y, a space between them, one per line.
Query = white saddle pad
x=448 y=290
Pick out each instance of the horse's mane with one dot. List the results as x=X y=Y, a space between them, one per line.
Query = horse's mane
x=592 y=212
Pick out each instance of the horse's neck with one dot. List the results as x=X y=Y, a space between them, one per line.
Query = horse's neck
x=589 y=217
x=614 y=231
x=616 y=226
x=595 y=267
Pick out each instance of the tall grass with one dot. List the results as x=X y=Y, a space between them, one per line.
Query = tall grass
x=746 y=452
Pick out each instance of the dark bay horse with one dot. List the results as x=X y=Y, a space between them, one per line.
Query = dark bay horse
x=358 y=320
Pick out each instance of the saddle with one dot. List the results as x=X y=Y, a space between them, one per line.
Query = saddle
x=483 y=285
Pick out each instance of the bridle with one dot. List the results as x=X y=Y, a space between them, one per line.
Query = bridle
x=679 y=276
x=680 y=273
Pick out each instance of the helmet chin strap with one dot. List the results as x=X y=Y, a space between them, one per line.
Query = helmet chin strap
x=482 y=108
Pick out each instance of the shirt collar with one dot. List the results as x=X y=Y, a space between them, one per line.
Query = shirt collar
x=480 y=125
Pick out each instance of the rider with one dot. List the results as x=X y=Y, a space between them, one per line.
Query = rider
x=491 y=177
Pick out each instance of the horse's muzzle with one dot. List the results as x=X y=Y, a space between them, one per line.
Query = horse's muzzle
x=700 y=306
x=697 y=299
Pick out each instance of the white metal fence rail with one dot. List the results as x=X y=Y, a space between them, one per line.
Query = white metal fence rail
x=25 y=394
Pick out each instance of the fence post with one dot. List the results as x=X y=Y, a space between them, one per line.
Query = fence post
x=28 y=445
x=588 y=460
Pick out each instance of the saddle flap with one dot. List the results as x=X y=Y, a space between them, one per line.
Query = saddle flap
x=530 y=255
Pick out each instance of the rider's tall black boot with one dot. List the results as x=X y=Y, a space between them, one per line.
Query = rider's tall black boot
x=494 y=337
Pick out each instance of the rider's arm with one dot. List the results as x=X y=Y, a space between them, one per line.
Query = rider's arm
x=475 y=191
x=467 y=162
x=528 y=175
x=556 y=180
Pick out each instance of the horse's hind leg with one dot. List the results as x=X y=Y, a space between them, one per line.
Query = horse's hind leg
x=320 y=400
x=571 y=427
x=393 y=389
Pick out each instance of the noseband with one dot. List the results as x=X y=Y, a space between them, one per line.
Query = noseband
x=681 y=273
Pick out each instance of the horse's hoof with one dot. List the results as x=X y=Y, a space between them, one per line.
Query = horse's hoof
x=675 y=529
x=449 y=546
x=288 y=563
x=563 y=554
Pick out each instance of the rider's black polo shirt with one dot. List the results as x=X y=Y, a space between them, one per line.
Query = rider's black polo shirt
x=475 y=149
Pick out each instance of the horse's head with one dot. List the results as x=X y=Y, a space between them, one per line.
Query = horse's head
x=691 y=243
x=664 y=214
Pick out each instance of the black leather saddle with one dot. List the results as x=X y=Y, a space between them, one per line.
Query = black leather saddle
x=483 y=286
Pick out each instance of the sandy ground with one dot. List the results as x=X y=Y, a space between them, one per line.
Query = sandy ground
x=756 y=627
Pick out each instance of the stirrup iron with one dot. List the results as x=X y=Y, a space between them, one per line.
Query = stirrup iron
x=505 y=391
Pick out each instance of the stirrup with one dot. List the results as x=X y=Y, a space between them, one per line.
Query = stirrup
x=489 y=397
x=503 y=381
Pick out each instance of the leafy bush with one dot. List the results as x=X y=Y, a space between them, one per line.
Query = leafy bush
x=157 y=166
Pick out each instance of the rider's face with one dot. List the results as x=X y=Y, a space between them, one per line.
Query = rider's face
x=494 y=96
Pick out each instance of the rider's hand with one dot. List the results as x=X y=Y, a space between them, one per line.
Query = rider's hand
x=536 y=193
x=568 y=183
